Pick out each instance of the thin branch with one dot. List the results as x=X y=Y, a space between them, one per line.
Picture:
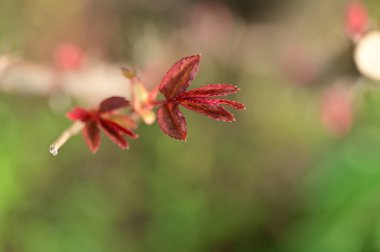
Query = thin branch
x=73 y=130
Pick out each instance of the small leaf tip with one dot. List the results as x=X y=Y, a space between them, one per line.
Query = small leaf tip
x=128 y=72
x=198 y=56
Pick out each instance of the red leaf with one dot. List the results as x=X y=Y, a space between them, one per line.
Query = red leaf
x=78 y=114
x=112 y=103
x=211 y=90
x=123 y=120
x=171 y=121
x=91 y=135
x=178 y=78
x=208 y=108
x=234 y=104
x=119 y=128
x=113 y=133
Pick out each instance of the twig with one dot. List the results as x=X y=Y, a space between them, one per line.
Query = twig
x=73 y=130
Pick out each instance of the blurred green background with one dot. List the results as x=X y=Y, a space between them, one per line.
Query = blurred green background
x=278 y=179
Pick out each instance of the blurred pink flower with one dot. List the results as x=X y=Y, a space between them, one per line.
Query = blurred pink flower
x=298 y=65
x=68 y=57
x=211 y=26
x=356 y=19
x=337 y=112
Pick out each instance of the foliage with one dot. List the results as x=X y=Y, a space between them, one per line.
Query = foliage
x=171 y=120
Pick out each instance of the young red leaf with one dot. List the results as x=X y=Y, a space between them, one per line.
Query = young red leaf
x=119 y=128
x=234 y=104
x=91 y=135
x=78 y=114
x=208 y=108
x=172 y=122
x=113 y=134
x=113 y=124
x=123 y=120
x=112 y=103
x=178 y=78
x=211 y=90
